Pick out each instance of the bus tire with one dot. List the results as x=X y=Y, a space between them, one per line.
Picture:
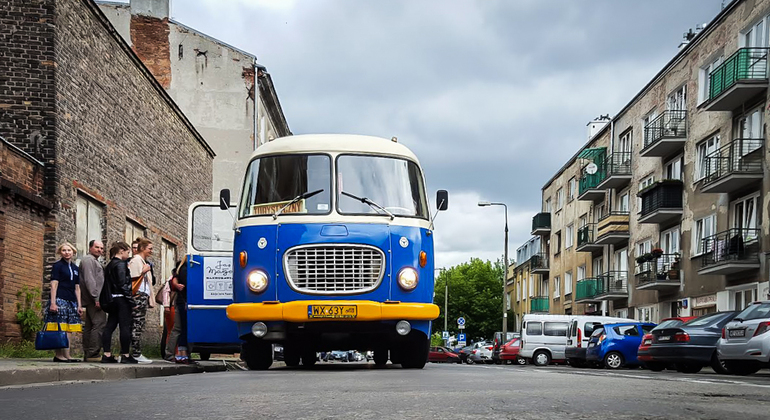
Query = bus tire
x=291 y=355
x=415 y=351
x=380 y=357
x=309 y=358
x=257 y=355
x=205 y=355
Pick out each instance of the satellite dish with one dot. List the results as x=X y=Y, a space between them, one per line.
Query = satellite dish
x=591 y=168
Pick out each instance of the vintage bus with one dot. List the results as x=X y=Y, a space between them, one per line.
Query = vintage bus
x=333 y=249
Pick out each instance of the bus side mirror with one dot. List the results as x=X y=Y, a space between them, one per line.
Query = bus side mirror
x=224 y=199
x=442 y=200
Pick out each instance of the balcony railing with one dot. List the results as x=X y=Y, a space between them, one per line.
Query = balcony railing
x=661 y=269
x=739 y=157
x=586 y=235
x=613 y=228
x=670 y=124
x=587 y=289
x=731 y=246
x=617 y=170
x=663 y=195
x=744 y=64
x=539 y=262
x=613 y=283
x=541 y=223
x=592 y=181
x=539 y=304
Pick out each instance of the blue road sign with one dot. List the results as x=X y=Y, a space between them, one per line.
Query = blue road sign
x=460 y=321
x=461 y=337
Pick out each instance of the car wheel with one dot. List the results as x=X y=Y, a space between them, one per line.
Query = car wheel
x=469 y=361
x=688 y=368
x=542 y=358
x=655 y=367
x=521 y=361
x=498 y=362
x=718 y=365
x=613 y=360
x=741 y=367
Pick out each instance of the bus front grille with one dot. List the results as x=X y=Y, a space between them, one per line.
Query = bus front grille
x=334 y=269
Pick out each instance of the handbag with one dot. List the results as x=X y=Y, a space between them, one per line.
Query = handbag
x=51 y=340
x=159 y=294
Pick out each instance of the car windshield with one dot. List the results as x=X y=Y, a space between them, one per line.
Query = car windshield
x=597 y=332
x=706 y=320
x=272 y=182
x=389 y=185
x=756 y=311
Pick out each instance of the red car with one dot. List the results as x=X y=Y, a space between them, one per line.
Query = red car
x=644 y=353
x=442 y=355
x=510 y=352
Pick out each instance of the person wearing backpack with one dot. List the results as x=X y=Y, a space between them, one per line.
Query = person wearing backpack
x=116 y=298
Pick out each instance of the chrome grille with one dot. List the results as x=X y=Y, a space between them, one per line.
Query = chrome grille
x=334 y=269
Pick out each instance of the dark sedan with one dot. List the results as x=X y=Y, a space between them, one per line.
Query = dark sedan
x=689 y=347
x=464 y=353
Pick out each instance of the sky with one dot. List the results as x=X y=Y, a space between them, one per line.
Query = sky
x=492 y=95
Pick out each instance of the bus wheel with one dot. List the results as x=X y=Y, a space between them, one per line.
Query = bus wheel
x=205 y=355
x=380 y=357
x=309 y=358
x=415 y=351
x=257 y=355
x=291 y=355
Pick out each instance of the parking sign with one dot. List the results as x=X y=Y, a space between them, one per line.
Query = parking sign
x=445 y=335
x=461 y=337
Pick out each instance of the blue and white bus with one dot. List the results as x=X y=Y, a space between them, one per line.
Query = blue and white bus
x=333 y=249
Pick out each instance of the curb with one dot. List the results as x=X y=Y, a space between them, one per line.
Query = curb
x=18 y=372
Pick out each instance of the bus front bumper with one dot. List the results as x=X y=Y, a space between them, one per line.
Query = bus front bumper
x=302 y=311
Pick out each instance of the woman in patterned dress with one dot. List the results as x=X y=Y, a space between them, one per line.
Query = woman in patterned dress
x=64 y=309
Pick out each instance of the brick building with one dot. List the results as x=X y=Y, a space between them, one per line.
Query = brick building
x=100 y=140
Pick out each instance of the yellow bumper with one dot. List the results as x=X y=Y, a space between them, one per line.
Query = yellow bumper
x=298 y=311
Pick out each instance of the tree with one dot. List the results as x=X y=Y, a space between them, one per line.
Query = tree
x=475 y=293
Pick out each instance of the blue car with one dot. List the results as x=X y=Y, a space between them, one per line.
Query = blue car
x=615 y=345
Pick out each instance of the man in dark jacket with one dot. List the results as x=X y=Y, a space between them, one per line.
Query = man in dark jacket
x=118 y=279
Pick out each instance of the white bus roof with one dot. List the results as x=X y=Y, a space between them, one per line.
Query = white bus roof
x=342 y=143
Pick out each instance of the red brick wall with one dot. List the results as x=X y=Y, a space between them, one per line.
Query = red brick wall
x=149 y=37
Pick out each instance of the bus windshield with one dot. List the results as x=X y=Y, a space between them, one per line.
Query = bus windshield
x=392 y=184
x=272 y=182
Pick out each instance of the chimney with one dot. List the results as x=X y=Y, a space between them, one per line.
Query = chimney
x=159 y=9
x=597 y=124
x=690 y=34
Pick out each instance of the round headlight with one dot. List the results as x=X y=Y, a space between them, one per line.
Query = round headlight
x=258 y=281
x=407 y=278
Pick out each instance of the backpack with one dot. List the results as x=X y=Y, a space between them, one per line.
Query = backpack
x=105 y=297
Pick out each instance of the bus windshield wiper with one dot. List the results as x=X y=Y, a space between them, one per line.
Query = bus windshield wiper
x=302 y=196
x=371 y=203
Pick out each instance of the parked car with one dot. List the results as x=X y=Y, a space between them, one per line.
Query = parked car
x=615 y=345
x=509 y=352
x=579 y=332
x=278 y=353
x=643 y=354
x=544 y=338
x=342 y=356
x=688 y=347
x=442 y=355
x=744 y=346
x=498 y=342
x=464 y=353
x=481 y=353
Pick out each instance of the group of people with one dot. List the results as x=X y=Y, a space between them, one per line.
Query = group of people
x=96 y=299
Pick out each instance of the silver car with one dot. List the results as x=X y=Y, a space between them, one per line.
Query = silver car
x=481 y=353
x=745 y=344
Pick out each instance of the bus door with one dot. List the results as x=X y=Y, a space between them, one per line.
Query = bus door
x=210 y=280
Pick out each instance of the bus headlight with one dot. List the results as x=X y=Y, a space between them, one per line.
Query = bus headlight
x=258 y=281
x=407 y=278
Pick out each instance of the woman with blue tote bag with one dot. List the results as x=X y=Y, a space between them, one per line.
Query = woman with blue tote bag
x=64 y=311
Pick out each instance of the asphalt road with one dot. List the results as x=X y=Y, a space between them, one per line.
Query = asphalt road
x=361 y=391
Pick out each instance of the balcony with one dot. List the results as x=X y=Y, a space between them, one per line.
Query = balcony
x=587 y=290
x=538 y=304
x=662 y=273
x=539 y=263
x=738 y=79
x=613 y=285
x=586 y=239
x=617 y=171
x=732 y=251
x=662 y=202
x=612 y=229
x=541 y=224
x=665 y=135
x=588 y=189
x=734 y=166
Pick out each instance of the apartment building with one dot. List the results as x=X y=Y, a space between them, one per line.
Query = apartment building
x=678 y=191
x=521 y=284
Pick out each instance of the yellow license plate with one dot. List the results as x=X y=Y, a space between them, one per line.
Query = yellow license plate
x=332 y=311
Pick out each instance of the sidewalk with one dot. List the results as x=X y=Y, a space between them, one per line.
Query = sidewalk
x=33 y=371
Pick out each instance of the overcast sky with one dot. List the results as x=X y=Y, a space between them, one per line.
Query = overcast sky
x=493 y=96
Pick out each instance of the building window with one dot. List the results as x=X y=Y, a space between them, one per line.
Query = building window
x=597 y=266
x=669 y=241
x=673 y=169
x=643 y=248
x=623 y=202
x=559 y=199
x=572 y=189
x=645 y=122
x=756 y=35
x=133 y=231
x=740 y=299
x=547 y=206
x=702 y=150
x=518 y=292
x=677 y=100
x=558 y=242
x=644 y=183
x=556 y=287
x=531 y=286
x=88 y=223
x=624 y=145
x=704 y=78
x=568 y=281
x=168 y=255
x=568 y=237
x=544 y=288
x=745 y=216
x=704 y=228
x=598 y=213
x=508 y=301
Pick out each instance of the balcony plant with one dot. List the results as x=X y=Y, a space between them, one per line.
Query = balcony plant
x=641 y=260
x=673 y=272
x=648 y=257
x=656 y=252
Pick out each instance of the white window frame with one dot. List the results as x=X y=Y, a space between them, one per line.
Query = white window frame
x=624 y=201
x=508 y=303
x=753 y=200
x=741 y=290
x=568 y=282
x=518 y=292
x=597 y=266
x=556 y=287
x=677 y=99
x=645 y=122
x=531 y=285
x=544 y=283
x=748 y=36
x=133 y=230
x=670 y=169
x=674 y=232
x=547 y=205
x=703 y=228
x=703 y=149
x=624 y=142
x=89 y=215
x=559 y=199
x=572 y=191
x=704 y=77
x=569 y=236
x=644 y=183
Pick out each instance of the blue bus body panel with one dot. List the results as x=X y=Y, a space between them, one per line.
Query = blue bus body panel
x=417 y=240
x=207 y=325
x=258 y=258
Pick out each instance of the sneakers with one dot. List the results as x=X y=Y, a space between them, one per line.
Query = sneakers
x=143 y=360
x=128 y=360
x=110 y=359
x=183 y=360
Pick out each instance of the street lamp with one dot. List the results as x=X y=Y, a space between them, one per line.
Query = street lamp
x=505 y=267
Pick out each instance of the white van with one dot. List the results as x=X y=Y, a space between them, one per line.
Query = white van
x=579 y=331
x=544 y=338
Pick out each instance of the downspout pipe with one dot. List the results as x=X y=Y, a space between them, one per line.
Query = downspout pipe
x=257 y=69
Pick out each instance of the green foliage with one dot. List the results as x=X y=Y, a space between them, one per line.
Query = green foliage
x=28 y=309
x=22 y=350
x=436 y=340
x=475 y=293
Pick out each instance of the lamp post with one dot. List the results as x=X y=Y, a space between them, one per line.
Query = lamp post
x=446 y=297
x=505 y=268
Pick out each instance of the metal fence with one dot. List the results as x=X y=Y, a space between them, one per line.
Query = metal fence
x=731 y=245
x=746 y=63
x=670 y=124
x=738 y=156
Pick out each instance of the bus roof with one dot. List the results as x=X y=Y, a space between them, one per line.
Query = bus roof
x=344 y=143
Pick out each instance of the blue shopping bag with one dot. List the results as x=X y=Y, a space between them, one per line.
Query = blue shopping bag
x=51 y=340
